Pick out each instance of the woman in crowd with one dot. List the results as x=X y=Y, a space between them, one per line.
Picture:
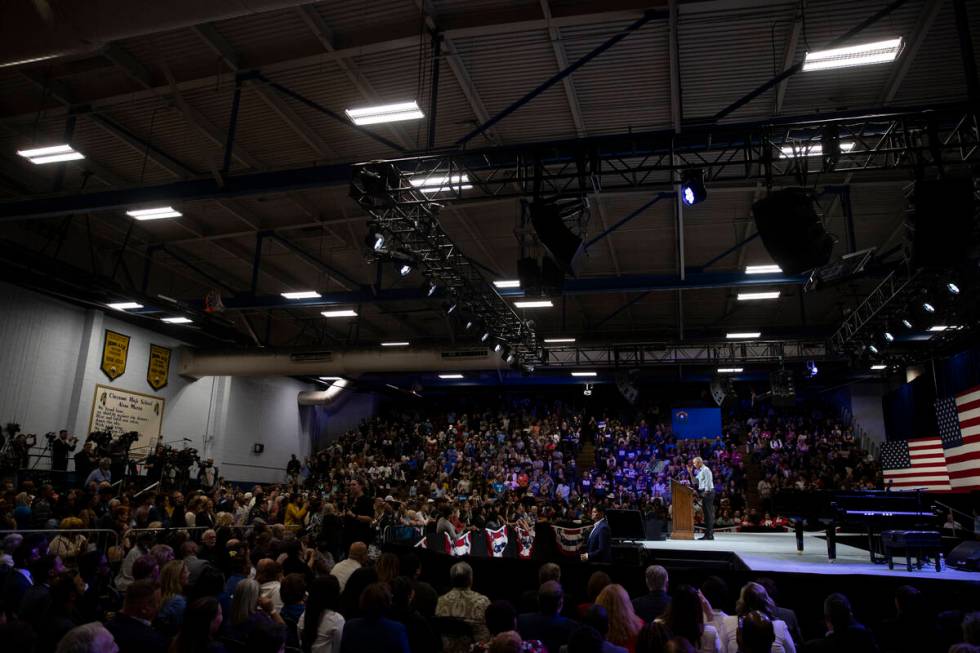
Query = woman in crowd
x=755 y=597
x=174 y=578
x=202 y=621
x=66 y=544
x=249 y=610
x=685 y=618
x=387 y=568
x=624 y=625
x=321 y=626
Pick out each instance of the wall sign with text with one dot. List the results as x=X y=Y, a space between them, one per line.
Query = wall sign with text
x=121 y=411
x=158 y=370
x=115 y=351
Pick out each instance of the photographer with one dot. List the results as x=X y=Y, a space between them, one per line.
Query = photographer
x=22 y=444
x=154 y=463
x=207 y=475
x=86 y=460
x=61 y=446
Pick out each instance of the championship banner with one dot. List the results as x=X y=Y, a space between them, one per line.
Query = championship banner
x=120 y=411
x=496 y=541
x=115 y=350
x=570 y=540
x=525 y=542
x=158 y=371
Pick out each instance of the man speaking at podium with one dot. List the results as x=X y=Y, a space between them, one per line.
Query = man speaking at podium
x=706 y=488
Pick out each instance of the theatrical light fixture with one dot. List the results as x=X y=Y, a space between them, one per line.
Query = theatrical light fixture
x=450 y=376
x=377 y=241
x=729 y=370
x=906 y=324
x=331 y=378
x=747 y=335
x=763 y=269
x=450 y=308
x=872 y=349
x=584 y=374
x=155 y=213
x=347 y=312
x=888 y=336
x=433 y=287
x=878 y=366
x=497 y=348
x=125 y=306
x=853 y=55
x=941 y=327
x=809 y=149
x=928 y=308
x=52 y=154
x=749 y=296
x=555 y=341
x=469 y=325
x=953 y=288
x=510 y=359
x=536 y=303
x=302 y=294
x=401 y=343
x=485 y=336
x=176 y=320
x=507 y=283
x=385 y=113
x=440 y=184
x=405 y=270
x=692 y=187
x=811 y=369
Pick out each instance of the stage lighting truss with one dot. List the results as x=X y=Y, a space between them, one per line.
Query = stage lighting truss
x=717 y=354
x=408 y=218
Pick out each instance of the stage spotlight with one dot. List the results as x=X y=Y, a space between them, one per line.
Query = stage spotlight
x=469 y=325
x=450 y=307
x=906 y=324
x=497 y=348
x=811 y=369
x=405 y=269
x=889 y=337
x=953 y=288
x=375 y=238
x=510 y=359
x=485 y=336
x=692 y=187
x=928 y=308
x=872 y=349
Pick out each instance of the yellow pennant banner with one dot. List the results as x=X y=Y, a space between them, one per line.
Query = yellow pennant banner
x=114 y=354
x=158 y=371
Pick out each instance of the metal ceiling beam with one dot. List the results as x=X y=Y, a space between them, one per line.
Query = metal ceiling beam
x=922 y=26
x=789 y=54
x=554 y=35
x=674 y=61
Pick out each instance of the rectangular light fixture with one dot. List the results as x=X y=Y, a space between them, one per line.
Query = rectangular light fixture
x=154 y=213
x=878 y=367
x=385 y=113
x=853 y=55
x=584 y=374
x=941 y=327
x=450 y=376
x=749 y=296
x=439 y=184
x=507 y=283
x=743 y=335
x=52 y=154
x=176 y=320
x=125 y=306
x=555 y=341
x=809 y=149
x=535 y=303
x=331 y=378
x=763 y=269
x=301 y=294
x=729 y=370
x=347 y=312
x=403 y=343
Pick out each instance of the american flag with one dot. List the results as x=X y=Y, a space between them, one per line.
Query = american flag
x=915 y=465
x=959 y=428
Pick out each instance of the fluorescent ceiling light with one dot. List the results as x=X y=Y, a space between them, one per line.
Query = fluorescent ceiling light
x=154 y=213
x=809 y=149
x=853 y=55
x=301 y=294
x=879 y=366
x=542 y=303
x=553 y=341
x=385 y=113
x=403 y=343
x=52 y=154
x=347 y=312
x=748 y=296
x=508 y=283
x=438 y=184
x=941 y=327
x=177 y=320
x=745 y=335
x=331 y=378
x=125 y=306
x=450 y=376
x=584 y=374
x=729 y=370
x=762 y=269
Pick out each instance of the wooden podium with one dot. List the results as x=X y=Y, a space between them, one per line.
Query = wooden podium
x=682 y=511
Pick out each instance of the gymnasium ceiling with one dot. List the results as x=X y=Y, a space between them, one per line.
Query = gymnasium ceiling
x=173 y=88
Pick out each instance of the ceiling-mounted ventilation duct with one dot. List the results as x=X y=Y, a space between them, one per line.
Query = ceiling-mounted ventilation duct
x=322 y=397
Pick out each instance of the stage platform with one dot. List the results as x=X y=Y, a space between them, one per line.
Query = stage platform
x=776 y=553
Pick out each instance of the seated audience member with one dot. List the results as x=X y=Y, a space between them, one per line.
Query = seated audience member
x=249 y=609
x=131 y=626
x=90 y=638
x=421 y=635
x=374 y=633
x=598 y=581
x=624 y=625
x=320 y=626
x=653 y=638
x=547 y=571
x=685 y=618
x=912 y=629
x=844 y=633
x=268 y=573
x=356 y=557
x=597 y=619
x=653 y=604
x=68 y=545
x=754 y=598
x=547 y=624
x=461 y=602
x=501 y=618
x=198 y=632
x=779 y=612
x=506 y=642
x=755 y=633
x=173 y=587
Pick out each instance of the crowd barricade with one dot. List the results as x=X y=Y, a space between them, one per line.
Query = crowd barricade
x=102 y=538
x=401 y=534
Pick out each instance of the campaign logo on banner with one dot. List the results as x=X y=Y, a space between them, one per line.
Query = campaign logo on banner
x=525 y=542
x=496 y=542
x=461 y=546
x=570 y=540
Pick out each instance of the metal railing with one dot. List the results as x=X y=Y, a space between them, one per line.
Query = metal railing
x=103 y=540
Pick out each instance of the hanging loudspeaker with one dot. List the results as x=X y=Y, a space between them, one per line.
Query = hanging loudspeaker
x=791 y=231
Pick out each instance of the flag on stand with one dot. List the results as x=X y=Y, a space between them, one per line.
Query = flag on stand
x=496 y=542
x=915 y=465
x=461 y=546
x=525 y=542
x=959 y=428
x=570 y=540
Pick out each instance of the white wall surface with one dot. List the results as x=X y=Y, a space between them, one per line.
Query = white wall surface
x=867 y=409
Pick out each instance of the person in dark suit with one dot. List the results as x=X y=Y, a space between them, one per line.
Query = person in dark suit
x=547 y=624
x=61 y=446
x=19 y=579
x=373 y=633
x=131 y=625
x=529 y=599
x=37 y=598
x=599 y=544
x=844 y=633
x=653 y=604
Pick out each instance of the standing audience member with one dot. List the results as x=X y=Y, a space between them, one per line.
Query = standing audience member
x=779 y=612
x=356 y=557
x=653 y=638
x=754 y=598
x=598 y=581
x=292 y=591
x=421 y=636
x=90 y=638
x=374 y=633
x=624 y=625
x=547 y=624
x=461 y=602
x=912 y=629
x=844 y=633
x=250 y=610
x=320 y=626
x=268 y=573
x=198 y=633
x=173 y=587
x=685 y=618
x=653 y=604
x=598 y=619
x=755 y=633
x=131 y=625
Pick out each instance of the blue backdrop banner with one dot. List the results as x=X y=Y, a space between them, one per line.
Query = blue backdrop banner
x=696 y=422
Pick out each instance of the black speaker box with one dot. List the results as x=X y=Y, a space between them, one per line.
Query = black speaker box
x=627 y=554
x=965 y=556
x=791 y=231
x=941 y=225
x=563 y=245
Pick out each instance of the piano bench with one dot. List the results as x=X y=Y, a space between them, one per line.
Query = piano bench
x=909 y=543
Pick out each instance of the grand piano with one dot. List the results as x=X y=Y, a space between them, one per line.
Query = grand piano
x=868 y=511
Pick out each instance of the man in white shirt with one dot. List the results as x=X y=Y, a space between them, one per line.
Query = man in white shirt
x=706 y=488
x=356 y=557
